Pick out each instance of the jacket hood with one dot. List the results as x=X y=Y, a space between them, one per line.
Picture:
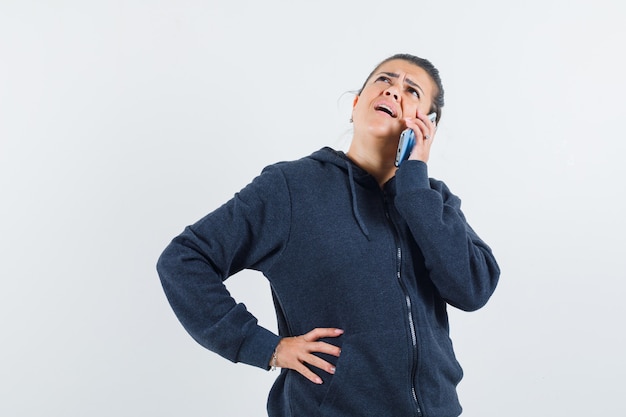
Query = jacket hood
x=341 y=160
x=355 y=175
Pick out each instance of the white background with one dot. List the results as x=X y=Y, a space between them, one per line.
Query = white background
x=123 y=121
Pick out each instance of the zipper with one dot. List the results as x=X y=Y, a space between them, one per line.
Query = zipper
x=409 y=306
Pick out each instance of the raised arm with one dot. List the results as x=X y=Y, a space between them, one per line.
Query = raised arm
x=461 y=266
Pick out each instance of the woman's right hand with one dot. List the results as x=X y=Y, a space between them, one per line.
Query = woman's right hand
x=294 y=352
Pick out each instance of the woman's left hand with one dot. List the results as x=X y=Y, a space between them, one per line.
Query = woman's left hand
x=424 y=131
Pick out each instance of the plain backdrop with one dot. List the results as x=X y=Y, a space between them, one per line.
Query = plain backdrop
x=121 y=122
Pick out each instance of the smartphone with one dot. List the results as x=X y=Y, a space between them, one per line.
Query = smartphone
x=407 y=141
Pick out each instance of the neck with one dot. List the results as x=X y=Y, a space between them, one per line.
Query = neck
x=374 y=156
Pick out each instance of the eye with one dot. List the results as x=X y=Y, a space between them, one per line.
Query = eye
x=413 y=91
x=384 y=79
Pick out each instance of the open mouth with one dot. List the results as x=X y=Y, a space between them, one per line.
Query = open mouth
x=386 y=109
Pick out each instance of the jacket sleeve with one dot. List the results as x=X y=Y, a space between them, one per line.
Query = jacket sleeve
x=461 y=266
x=248 y=231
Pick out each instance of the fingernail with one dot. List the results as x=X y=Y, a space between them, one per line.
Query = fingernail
x=338 y=331
x=318 y=380
x=332 y=370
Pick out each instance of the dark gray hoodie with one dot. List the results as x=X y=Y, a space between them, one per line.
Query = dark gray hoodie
x=339 y=251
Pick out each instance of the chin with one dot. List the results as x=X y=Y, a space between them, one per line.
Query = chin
x=385 y=132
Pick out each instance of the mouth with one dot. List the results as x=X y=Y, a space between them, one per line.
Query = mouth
x=386 y=109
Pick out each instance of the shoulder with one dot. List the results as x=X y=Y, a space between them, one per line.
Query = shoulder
x=438 y=185
x=317 y=162
x=447 y=195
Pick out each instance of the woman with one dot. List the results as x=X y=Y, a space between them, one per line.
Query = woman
x=362 y=258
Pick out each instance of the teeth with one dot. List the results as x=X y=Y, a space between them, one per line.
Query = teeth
x=385 y=109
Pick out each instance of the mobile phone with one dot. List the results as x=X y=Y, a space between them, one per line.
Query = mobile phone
x=433 y=118
x=407 y=141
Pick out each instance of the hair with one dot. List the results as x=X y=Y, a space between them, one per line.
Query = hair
x=424 y=64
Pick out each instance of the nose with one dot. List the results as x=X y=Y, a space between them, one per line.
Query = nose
x=392 y=92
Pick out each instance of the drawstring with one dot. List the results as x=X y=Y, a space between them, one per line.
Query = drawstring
x=355 y=206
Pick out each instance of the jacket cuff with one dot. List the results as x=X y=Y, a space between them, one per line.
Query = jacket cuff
x=412 y=175
x=258 y=348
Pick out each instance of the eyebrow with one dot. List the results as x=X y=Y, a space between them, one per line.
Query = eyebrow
x=408 y=81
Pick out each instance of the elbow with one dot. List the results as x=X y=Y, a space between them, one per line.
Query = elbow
x=472 y=303
x=163 y=264
x=484 y=277
x=167 y=263
x=480 y=289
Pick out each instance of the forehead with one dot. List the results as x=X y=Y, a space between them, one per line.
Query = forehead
x=409 y=70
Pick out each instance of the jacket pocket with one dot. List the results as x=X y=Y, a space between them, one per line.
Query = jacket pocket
x=371 y=378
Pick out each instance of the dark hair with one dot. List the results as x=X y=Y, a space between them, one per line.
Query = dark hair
x=427 y=66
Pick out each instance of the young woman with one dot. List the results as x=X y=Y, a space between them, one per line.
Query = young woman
x=362 y=258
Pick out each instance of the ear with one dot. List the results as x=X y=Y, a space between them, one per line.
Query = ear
x=356 y=99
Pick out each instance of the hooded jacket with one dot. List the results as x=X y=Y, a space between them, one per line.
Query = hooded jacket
x=339 y=251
